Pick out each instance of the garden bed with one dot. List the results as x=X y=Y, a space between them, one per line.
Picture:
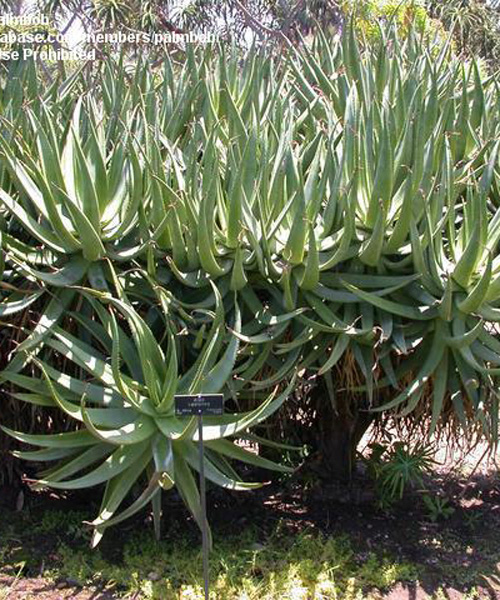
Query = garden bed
x=307 y=542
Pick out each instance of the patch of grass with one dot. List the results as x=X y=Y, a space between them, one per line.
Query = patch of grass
x=472 y=595
x=246 y=565
x=68 y=523
x=304 y=566
x=266 y=561
x=5 y=590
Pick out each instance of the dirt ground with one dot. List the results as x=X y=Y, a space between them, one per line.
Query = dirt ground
x=455 y=555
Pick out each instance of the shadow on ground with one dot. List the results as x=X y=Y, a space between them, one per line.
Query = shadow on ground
x=452 y=558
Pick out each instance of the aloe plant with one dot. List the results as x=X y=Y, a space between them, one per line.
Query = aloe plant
x=128 y=431
x=327 y=216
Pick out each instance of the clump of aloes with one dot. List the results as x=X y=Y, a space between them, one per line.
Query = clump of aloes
x=69 y=203
x=127 y=428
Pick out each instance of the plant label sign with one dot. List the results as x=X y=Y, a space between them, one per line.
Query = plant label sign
x=190 y=405
x=200 y=405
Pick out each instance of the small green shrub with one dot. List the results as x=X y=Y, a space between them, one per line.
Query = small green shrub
x=437 y=507
x=397 y=468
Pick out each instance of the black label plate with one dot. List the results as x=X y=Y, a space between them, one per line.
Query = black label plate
x=199 y=404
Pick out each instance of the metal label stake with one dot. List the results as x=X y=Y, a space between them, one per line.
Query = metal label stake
x=199 y=405
x=203 y=496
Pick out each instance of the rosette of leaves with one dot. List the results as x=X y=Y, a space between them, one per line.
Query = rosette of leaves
x=127 y=432
x=69 y=203
x=413 y=182
x=458 y=290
